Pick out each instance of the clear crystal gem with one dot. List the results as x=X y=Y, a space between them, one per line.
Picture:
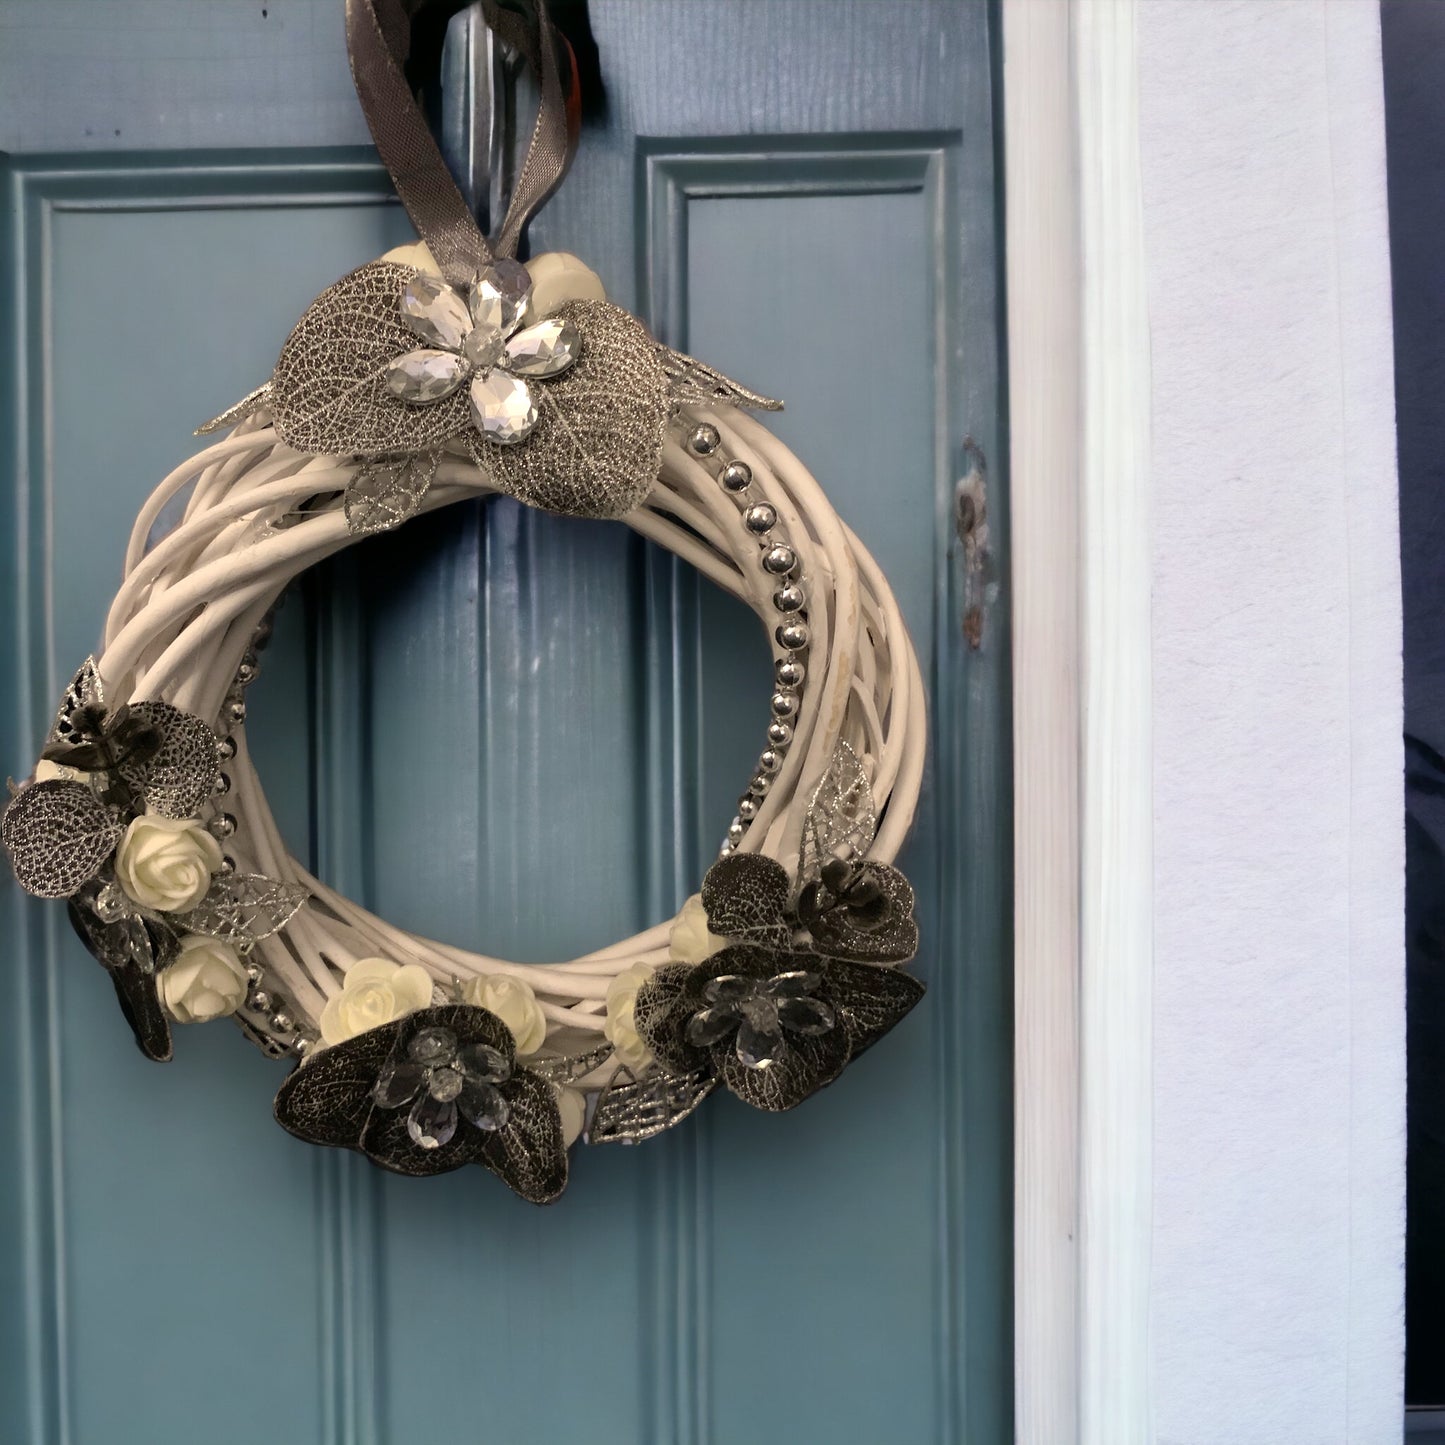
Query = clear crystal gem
x=793 y=983
x=432 y=1046
x=499 y=295
x=398 y=1084
x=432 y=1122
x=483 y=346
x=435 y=312
x=807 y=1016
x=760 y=1038
x=729 y=988
x=709 y=1025
x=502 y=407
x=483 y=1105
x=110 y=904
x=483 y=1062
x=425 y=376
x=545 y=349
x=444 y=1084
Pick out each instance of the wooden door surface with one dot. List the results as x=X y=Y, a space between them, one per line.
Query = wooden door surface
x=516 y=731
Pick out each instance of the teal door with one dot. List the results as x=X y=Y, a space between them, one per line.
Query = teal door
x=803 y=193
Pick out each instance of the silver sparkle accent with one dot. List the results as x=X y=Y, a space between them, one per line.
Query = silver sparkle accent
x=546 y=349
x=503 y=407
x=499 y=295
x=425 y=376
x=435 y=312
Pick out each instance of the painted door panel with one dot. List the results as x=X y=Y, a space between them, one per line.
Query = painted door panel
x=524 y=733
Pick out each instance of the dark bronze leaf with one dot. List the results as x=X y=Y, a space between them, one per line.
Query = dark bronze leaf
x=745 y=896
x=882 y=930
x=871 y=999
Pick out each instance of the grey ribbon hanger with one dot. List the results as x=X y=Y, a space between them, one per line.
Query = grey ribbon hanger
x=378 y=38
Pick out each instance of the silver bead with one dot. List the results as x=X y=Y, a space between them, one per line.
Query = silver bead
x=770 y=761
x=222 y=825
x=227 y=749
x=221 y=785
x=110 y=903
x=789 y=672
x=260 y=1001
x=235 y=712
x=736 y=829
x=792 y=636
x=784 y=704
x=760 y=784
x=747 y=808
x=253 y=973
x=789 y=598
x=779 y=560
x=760 y=519
x=704 y=440
x=301 y=1045
x=726 y=851
x=737 y=476
x=281 y=1023
x=262 y=635
x=228 y=865
x=780 y=734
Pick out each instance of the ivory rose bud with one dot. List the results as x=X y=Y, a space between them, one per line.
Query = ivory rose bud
x=620 y=1029
x=558 y=276
x=513 y=1001
x=206 y=980
x=572 y=1106
x=375 y=991
x=166 y=863
x=690 y=941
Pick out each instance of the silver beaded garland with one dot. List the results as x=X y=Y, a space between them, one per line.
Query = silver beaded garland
x=227 y=749
x=747 y=808
x=779 y=560
x=784 y=704
x=770 y=761
x=737 y=476
x=789 y=672
x=736 y=829
x=704 y=440
x=760 y=519
x=760 y=784
x=222 y=825
x=789 y=598
x=235 y=712
x=259 y=1002
x=792 y=636
x=780 y=734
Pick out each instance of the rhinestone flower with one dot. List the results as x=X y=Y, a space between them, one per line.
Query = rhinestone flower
x=480 y=339
x=443 y=1080
x=758 y=1011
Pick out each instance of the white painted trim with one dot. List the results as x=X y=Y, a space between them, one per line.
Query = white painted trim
x=1079 y=422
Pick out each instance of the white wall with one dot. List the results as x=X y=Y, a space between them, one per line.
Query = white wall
x=1279 y=1026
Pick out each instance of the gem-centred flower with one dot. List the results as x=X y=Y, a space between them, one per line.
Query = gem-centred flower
x=376 y=991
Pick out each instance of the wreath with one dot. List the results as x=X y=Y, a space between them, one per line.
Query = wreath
x=444 y=371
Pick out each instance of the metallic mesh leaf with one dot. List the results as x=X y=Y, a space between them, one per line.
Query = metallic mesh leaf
x=248 y=405
x=329 y=391
x=58 y=835
x=840 y=819
x=630 y=1109
x=892 y=939
x=388 y=490
x=596 y=449
x=83 y=698
x=745 y=897
x=695 y=383
x=243 y=907
x=871 y=999
x=327 y=1099
x=527 y=1154
x=180 y=775
x=573 y=1067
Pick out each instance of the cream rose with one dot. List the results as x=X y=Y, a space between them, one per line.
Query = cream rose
x=558 y=276
x=572 y=1105
x=375 y=992
x=690 y=941
x=206 y=980
x=619 y=1028
x=166 y=863
x=513 y=1001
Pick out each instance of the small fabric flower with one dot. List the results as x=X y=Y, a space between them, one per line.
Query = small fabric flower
x=375 y=991
x=690 y=940
x=514 y=1001
x=480 y=339
x=428 y=1093
x=774 y=1025
x=166 y=863
x=206 y=980
x=619 y=1028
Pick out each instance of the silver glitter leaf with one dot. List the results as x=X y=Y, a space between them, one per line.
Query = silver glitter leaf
x=386 y=491
x=695 y=383
x=596 y=449
x=181 y=775
x=840 y=820
x=58 y=835
x=85 y=694
x=243 y=907
x=329 y=391
x=248 y=405
x=631 y=1109
x=572 y=1067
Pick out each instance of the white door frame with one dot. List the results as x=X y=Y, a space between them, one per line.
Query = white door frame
x=1079 y=422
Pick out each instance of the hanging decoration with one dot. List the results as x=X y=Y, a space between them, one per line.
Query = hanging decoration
x=445 y=371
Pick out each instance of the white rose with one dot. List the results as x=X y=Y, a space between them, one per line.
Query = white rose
x=572 y=1105
x=206 y=980
x=620 y=1029
x=558 y=276
x=376 y=992
x=48 y=772
x=513 y=1001
x=690 y=941
x=166 y=863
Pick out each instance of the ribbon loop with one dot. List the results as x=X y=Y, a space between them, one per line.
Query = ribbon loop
x=378 y=40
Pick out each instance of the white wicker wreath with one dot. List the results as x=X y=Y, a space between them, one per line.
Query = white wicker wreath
x=401 y=391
